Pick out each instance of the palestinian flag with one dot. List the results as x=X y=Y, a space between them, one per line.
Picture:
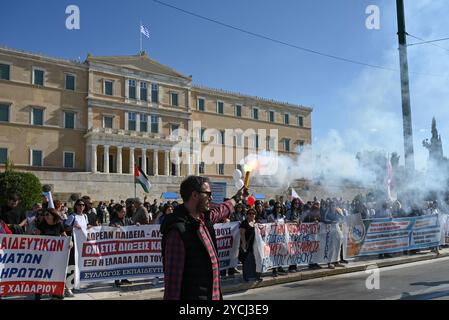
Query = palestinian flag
x=141 y=179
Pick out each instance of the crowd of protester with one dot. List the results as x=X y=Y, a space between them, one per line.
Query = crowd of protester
x=61 y=220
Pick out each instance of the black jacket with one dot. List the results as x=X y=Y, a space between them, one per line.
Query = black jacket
x=197 y=275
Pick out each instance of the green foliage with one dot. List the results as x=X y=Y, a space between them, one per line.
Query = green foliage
x=26 y=185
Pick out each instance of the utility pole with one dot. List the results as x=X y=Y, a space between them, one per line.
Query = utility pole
x=405 y=91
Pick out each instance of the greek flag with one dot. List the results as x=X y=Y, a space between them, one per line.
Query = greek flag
x=145 y=31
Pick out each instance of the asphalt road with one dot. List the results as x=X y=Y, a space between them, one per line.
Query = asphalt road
x=425 y=280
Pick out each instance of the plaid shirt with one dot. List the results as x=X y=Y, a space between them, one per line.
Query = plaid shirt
x=175 y=255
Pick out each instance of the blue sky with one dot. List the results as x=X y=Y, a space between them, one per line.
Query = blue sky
x=359 y=105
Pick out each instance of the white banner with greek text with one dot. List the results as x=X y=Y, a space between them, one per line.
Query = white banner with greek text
x=33 y=264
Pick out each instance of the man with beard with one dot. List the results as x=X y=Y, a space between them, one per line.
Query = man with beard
x=189 y=246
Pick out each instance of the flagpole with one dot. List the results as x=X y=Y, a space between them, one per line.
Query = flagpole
x=134 y=175
x=140 y=32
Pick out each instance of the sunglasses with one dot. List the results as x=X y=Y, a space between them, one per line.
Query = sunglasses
x=208 y=193
x=81 y=204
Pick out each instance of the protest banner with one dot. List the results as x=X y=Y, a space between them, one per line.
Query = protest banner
x=283 y=244
x=33 y=264
x=109 y=253
x=444 y=223
x=228 y=241
x=389 y=235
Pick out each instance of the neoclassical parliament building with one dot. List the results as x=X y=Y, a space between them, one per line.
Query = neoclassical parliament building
x=81 y=126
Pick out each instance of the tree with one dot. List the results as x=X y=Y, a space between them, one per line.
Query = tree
x=26 y=185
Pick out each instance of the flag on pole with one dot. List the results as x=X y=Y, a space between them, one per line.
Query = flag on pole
x=295 y=195
x=389 y=180
x=141 y=178
x=144 y=31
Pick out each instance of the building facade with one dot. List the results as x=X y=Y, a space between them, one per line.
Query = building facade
x=81 y=126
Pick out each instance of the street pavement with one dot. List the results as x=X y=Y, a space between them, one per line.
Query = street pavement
x=419 y=276
x=425 y=280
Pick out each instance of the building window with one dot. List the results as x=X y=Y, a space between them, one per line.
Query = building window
x=3 y=155
x=154 y=93
x=222 y=137
x=256 y=141
x=220 y=107
x=154 y=124
x=238 y=110
x=69 y=120
x=132 y=121
x=70 y=82
x=271 y=116
x=108 y=85
x=202 y=131
x=220 y=169
x=271 y=143
x=37 y=117
x=36 y=158
x=173 y=169
x=173 y=128
x=301 y=145
x=143 y=91
x=255 y=114
x=201 y=104
x=300 y=121
x=4 y=113
x=107 y=122
x=201 y=169
x=174 y=99
x=69 y=160
x=132 y=89
x=239 y=140
x=143 y=123
x=286 y=118
x=38 y=77
x=4 y=71
x=287 y=145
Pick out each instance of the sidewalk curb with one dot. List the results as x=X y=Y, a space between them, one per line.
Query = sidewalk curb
x=157 y=293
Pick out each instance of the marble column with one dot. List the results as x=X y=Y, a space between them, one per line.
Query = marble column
x=178 y=166
x=94 y=158
x=166 y=163
x=106 y=159
x=119 y=160
x=131 y=160
x=155 y=162
x=144 y=160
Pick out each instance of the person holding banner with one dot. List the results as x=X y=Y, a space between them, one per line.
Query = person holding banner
x=189 y=246
x=246 y=255
x=13 y=216
x=277 y=217
x=51 y=225
x=261 y=214
x=120 y=220
x=78 y=219
x=295 y=211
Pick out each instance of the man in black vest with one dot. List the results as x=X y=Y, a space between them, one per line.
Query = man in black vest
x=189 y=246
